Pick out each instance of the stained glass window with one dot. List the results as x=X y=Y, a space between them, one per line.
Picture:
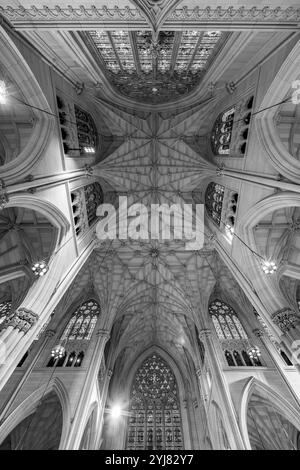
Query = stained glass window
x=155 y=419
x=85 y=202
x=5 y=308
x=86 y=130
x=232 y=335
x=76 y=335
x=214 y=196
x=222 y=132
x=226 y=322
x=82 y=323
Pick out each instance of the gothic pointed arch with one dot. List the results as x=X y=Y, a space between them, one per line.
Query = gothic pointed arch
x=154 y=412
x=42 y=123
x=268 y=420
x=280 y=89
x=27 y=408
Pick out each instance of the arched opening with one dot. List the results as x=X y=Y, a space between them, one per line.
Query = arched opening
x=268 y=427
x=154 y=420
x=41 y=430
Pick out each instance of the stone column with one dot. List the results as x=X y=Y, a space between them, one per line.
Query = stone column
x=16 y=325
x=33 y=183
x=79 y=421
x=269 y=181
x=104 y=392
x=220 y=389
x=43 y=344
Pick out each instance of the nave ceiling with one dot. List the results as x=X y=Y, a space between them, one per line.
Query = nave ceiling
x=156 y=81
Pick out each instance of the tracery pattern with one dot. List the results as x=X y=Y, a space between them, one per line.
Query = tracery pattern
x=86 y=130
x=82 y=323
x=214 y=196
x=152 y=69
x=233 y=338
x=5 y=308
x=155 y=417
x=222 y=132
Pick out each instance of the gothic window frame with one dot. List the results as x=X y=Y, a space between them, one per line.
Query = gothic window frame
x=85 y=201
x=87 y=134
x=214 y=197
x=221 y=134
x=221 y=207
x=81 y=313
x=77 y=334
x=155 y=419
x=231 y=335
x=230 y=132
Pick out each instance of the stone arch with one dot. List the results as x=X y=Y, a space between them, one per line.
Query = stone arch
x=28 y=406
x=25 y=80
x=277 y=401
x=280 y=157
x=266 y=286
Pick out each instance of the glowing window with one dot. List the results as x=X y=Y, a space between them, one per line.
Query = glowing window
x=155 y=419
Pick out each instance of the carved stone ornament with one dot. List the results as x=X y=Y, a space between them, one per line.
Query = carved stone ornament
x=3 y=195
x=285 y=319
x=205 y=334
x=181 y=13
x=258 y=333
x=21 y=319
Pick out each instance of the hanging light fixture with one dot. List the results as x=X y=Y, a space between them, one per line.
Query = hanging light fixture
x=39 y=268
x=254 y=353
x=3 y=92
x=58 y=352
x=268 y=267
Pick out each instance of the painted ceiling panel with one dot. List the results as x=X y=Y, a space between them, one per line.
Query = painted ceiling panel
x=155 y=69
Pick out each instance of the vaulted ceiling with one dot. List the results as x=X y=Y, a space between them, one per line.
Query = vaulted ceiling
x=156 y=69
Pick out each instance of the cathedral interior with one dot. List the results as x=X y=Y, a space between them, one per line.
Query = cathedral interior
x=133 y=341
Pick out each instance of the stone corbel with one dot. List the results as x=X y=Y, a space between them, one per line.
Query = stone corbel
x=22 y=319
x=286 y=319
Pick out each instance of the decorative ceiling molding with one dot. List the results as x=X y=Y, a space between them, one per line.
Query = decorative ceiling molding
x=68 y=17
x=156 y=11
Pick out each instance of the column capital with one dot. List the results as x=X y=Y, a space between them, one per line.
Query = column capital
x=103 y=333
x=50 y=333
x=258 y=332
x=205 y=334
x=21 y=319
x=89 y=170
x=3 y=195
x=286 y=319
x=220 y=171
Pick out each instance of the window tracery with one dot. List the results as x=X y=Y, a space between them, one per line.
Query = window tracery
x=155 y=417
x=231 y=128
x=77 y=128
x=77 y=334
x=221 y=206
x=85 y=201
x=231 y=334
x=86 y=130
